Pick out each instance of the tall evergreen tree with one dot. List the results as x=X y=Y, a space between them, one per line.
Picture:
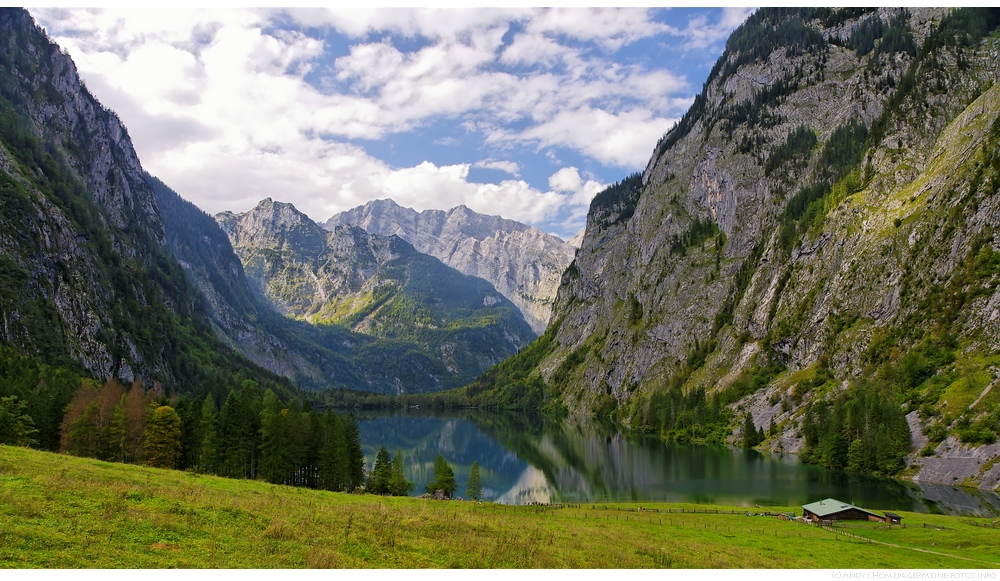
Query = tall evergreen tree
x=206 y=451
x=275 y=441
x=229 y=462
x=16 y=427
x=474 y=489
x=398 y=484
x=355 y=455
x=751 y=435
x=444 y=478
x=162 y=444
x=116 y=440
x=313 y=426
x=381 y=473
x=333 y=457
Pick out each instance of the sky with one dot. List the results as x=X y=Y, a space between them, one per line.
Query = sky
x=525 y=113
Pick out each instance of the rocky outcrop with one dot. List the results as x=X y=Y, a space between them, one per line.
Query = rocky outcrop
x=523 y=263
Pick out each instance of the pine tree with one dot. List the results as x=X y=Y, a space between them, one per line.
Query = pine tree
x=398 y=484
x=116 y=438
x=355 y=455
x=206 y=452
x=444 y=478
x=16 y=426
x=381 y=473
x=162 y=444
x=474 y=489
x=333 y=461
x=751 y=435
x=275 y=460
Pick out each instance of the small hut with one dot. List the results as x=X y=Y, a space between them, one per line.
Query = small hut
x=833 y=509
x=893 y=518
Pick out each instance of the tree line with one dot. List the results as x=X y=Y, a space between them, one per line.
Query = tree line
x=252 y=435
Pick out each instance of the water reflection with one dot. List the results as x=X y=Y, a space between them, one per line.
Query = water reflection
x=528 y=459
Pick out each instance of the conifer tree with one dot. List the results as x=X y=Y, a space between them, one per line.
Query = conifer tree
x=162 y=444
x=398 y=484
x=444 y=478
x=16 y=426
x=206 y=452
x=116 y=439
x=474 y=489
x=381 y=473
x=333 y=461
x=275 y=458
x=751 y=436
x=355 y=455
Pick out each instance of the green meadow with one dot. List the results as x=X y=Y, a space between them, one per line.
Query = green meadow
x=59 y=511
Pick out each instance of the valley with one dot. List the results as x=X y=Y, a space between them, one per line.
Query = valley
x=802 y=285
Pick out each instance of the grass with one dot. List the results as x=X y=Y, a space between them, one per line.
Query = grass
x=63 y=512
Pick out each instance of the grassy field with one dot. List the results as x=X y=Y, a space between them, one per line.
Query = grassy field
x=59 y=511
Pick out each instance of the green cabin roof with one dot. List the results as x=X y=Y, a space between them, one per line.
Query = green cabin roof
x=830 y=506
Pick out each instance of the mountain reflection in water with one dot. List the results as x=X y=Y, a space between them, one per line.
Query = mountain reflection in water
x=524 y=458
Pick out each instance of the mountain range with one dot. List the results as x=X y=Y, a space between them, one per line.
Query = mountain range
x=523 y=263
x=106 y=270
x=427 y=319
x=808 y=263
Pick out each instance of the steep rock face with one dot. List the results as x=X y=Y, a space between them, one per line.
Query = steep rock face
x=87 y=281
x=77 y=216
x=808 y=217
x=378 y=287
x=523 y=263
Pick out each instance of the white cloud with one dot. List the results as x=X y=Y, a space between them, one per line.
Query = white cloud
x=625 y=139
x=701 y=33
x=228 y=107
x=610 y=27
x=505 y=166
x=568 y=181
x=435 y=24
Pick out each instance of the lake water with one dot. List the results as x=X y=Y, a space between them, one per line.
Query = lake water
x=526 y=459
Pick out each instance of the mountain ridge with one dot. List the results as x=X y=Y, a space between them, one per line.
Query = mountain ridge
x=520 y=261
x=379 y=287
x=806 y=261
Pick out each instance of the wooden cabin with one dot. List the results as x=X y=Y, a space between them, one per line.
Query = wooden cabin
x=833 y=509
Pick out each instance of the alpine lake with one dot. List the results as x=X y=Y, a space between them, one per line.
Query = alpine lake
x=528 y=459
